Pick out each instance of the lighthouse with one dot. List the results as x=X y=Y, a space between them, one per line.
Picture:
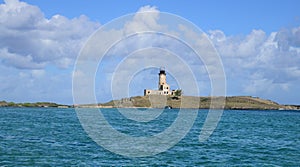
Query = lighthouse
x=163 y=87
x=162 y=83
x=161 y=77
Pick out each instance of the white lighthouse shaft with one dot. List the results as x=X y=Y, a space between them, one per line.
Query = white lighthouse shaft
x=163 y=87
x=162 y=83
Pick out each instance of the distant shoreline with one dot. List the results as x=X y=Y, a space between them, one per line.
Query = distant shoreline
x=158 y=101
x=34 y=105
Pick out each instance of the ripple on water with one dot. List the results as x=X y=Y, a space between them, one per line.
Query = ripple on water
x=54 y=137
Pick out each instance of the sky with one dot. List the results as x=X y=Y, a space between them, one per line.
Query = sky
x=258 y=42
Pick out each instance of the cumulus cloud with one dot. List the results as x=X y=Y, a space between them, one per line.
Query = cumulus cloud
x=28 y=40
x=263 y=63
x=145 y=19
x=18 y=61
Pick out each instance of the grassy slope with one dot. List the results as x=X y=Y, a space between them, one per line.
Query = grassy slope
x=158 y=101
x=234 y=102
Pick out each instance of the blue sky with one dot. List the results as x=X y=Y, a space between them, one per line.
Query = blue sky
x=258 y=41
x=232 y=16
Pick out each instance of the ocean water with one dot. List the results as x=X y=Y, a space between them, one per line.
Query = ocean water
x=55 y=137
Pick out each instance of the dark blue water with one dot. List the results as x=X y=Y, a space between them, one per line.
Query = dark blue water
x=54 y=137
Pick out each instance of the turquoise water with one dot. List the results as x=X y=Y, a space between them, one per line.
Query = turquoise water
x=54 y=137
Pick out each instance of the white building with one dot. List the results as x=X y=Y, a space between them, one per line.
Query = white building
x=163 y=87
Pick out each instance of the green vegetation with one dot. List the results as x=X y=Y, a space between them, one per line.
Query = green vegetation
x=160 y=101
x=178 y=92
x=38 y=104
x=233 y=102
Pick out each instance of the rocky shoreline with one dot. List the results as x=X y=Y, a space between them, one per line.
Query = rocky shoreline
x=158 y=101
x=232 y=103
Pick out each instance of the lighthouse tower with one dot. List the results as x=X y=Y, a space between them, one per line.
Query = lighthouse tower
x=162 y=83
x=163 y=87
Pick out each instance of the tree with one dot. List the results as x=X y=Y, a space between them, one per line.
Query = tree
x=178 y=92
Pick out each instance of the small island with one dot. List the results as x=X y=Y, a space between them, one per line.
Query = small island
x=231 y=103
x=164 y=97
x=156 y=101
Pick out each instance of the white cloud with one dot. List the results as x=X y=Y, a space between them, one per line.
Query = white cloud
x=37 y=41
x=251 y=44
x=145 y=19
x=19 y=15
x=38 y=73
x=19 y=61
x=261 y=62
x=258 y=83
